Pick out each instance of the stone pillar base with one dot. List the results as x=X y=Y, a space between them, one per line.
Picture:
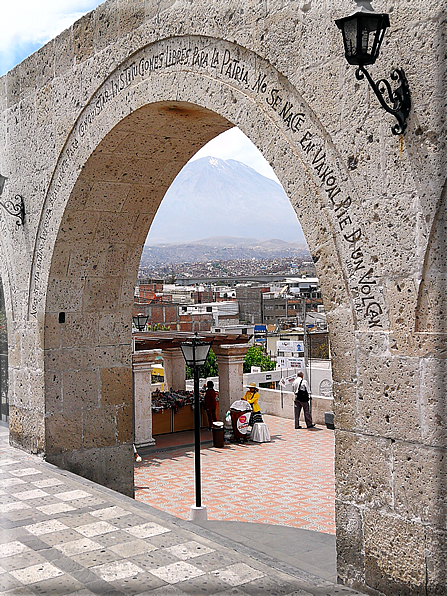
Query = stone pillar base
x=112 y=467
x=198 y=513
x=144 y=444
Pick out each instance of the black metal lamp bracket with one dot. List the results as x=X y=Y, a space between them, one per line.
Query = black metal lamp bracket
x=16 y=209
x=398 y=102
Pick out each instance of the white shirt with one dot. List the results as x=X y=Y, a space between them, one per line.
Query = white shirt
x=296 y=385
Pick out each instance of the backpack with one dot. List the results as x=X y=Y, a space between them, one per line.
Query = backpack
x=302 y=394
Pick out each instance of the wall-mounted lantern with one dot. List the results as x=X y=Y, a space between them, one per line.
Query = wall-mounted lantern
x=16 y=209
x=363 y=33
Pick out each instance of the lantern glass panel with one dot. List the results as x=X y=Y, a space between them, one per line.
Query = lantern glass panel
x=140 y=322
x=370 y=30
x=202 y=353
x=362 y=36
x=188 y=353
x=350 y=37
x=195 y=352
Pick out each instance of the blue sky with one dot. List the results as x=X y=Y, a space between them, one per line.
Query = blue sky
x=29 y=24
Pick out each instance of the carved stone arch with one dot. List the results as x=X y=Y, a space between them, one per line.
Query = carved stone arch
x=127 y=145
x=4 y=375
x=300 y=150
x=7 y=330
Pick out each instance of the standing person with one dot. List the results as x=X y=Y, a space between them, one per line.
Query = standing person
x=251 y=396
x=210 y=404
x=302 y=395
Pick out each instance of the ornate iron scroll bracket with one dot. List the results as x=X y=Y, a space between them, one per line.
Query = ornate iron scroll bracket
x=16 y=209
x=397 y=102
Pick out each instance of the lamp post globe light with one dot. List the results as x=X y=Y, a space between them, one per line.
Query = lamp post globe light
x=363 y=32
x=140 y=321
x=195 y=352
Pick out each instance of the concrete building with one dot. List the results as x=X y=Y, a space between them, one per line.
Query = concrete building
x=95 y=126
x=249 y=297
x=292 y=303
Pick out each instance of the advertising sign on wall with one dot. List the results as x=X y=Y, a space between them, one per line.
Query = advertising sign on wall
x=289 y=346
x=285 y=362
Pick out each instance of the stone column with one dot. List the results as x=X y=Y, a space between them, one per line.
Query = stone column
x=230 y=360
x=174 y=367
x=142 y=383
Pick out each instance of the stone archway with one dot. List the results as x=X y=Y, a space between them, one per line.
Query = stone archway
x=126 y=152
x=365 y=199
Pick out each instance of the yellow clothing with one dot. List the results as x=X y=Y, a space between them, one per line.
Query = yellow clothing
x=252 y=398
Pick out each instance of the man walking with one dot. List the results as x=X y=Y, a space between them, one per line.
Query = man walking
x=302 y=396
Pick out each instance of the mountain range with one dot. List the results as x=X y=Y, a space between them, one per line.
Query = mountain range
x=223 y=248
x=212 y=196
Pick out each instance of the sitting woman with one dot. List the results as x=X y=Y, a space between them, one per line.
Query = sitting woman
x=252 y=396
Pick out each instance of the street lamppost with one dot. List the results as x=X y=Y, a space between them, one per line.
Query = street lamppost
x=195 y=352
x=140 y=321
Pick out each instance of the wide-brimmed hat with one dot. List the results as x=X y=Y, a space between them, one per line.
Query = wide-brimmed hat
x=252 y=385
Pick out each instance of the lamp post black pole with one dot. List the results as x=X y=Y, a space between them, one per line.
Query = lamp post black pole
x=195 y=352
x=197 y=436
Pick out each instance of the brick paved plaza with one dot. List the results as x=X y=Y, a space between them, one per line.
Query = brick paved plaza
x=289 y=481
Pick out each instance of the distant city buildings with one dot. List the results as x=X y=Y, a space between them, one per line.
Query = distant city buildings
x=293 y=306
x=228 y=268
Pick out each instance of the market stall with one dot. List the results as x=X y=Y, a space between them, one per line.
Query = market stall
x=173 y=411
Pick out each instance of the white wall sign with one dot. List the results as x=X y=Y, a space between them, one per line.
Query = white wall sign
x=289 y=346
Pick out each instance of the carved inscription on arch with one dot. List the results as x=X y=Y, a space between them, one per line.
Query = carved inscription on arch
x=272 y=92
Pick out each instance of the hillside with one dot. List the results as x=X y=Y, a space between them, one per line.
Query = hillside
x=222 y=249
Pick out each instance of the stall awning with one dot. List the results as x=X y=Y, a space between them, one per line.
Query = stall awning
x=160 y=340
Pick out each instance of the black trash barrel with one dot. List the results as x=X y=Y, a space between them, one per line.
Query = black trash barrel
x=218 y=434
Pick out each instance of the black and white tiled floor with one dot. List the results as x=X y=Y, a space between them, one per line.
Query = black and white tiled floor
x=63 y=535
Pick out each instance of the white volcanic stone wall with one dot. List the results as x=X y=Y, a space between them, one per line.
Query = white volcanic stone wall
x=93 y=129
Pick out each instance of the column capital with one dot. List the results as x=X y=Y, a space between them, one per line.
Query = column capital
x=144 y=360
x=145 y=356
x=173 y=351
x=231 y=351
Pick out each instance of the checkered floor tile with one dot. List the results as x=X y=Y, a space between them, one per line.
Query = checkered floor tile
x=61 y=534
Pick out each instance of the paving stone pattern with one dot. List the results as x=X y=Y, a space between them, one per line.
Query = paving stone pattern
x=64 y=535
x=289 y=481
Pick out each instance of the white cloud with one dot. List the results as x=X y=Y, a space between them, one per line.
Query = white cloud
x=29 y=24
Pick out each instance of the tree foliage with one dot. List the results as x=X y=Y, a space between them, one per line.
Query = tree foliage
x=321 y=351
x=256 y=356
x=160 y=327
x=209 y=369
